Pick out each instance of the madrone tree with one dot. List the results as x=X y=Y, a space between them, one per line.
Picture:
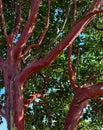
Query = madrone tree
x=21 y=23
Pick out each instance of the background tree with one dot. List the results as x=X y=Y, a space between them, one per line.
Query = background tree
x=51 y=62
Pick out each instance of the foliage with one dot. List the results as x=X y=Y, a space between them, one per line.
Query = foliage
x=86 y=58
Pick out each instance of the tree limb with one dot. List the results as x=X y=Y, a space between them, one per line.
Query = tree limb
x=70 y=70
x=73 y=116
x=95 y=90
x=52 y=55
x=17 y=21
x=43 y=34
x=79 y=102
x=31 y=98
x=34 y=8
x=61 y=29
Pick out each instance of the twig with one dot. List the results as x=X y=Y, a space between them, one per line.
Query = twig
x=77 y=61
x=97 y=28
x=43 y=91
x=90 y=78
x=70 y=70
x=31 y=98
x=75 y=11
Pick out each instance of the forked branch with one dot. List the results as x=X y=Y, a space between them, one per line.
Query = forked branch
x=31 y=98
x=42 y=35
x=34 y=8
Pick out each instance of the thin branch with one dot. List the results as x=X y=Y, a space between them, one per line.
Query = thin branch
x=17 y=21
x=71 y=72
x=94 y=7
x=34 y=8
x=75 y=11
x=43 y=91
x=43 y=34
x=97 y=4
x=70 y=69
x=38 y=103
x=31 y=98
x=89 y=80
x=49 y=115
x=3 y=19
x=97 y=28
x=77 y=61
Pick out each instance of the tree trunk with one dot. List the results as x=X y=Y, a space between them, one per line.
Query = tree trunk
x=14 y=108
x=74 y=114
x=78 y=104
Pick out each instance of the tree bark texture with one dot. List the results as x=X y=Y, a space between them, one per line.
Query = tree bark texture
x=14 y=76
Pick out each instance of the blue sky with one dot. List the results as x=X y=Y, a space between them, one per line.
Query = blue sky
x=3 y=126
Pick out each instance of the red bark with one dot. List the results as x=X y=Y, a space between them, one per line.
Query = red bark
x=53 y=54
x=81 y=96
x=14 y=94
x=14 y=77
x=34 y=8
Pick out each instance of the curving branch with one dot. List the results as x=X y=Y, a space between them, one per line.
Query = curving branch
x=97 y=28
x=43 y=91
x=34 y=8
x=42 y=35
x=89 y=80
x=61 y=29
x=70 y=70
x=17 y=21
x=38 y=64
x=31 y=98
